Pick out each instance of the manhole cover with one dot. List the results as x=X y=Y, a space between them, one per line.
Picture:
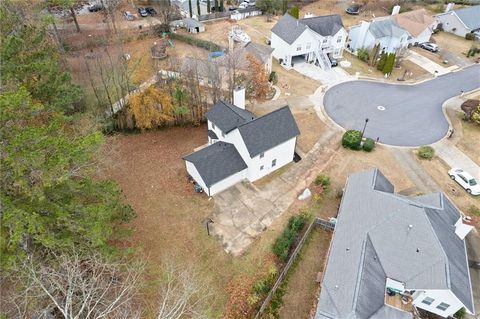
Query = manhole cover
x=381 y=108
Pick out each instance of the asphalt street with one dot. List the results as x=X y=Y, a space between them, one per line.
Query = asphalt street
x=399 y=114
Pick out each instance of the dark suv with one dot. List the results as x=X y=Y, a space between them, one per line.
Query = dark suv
x=151 y=11
x=95 y=7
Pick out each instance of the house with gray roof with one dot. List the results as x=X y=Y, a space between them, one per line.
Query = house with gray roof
x=391 y=255
x=312 y=39
x=242 y=146
x=461 y=21
x=262 y=53
x=384 y=31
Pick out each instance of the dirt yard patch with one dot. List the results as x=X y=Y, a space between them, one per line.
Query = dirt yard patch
x=300 y=297
x=414 y=71
x=292 y=83
x=466 y=136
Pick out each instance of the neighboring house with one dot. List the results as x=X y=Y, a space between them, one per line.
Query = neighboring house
x=246 y=13
x=191 y=25
x=388 y=244
x=262 y=53
x=312 y=39
x=384 y=31
x=419 y=23
x=242 y=146
x=461 y=21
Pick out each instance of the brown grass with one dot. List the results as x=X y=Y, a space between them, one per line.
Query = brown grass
x=455 y=44
x=366 y=70
x=302 y=287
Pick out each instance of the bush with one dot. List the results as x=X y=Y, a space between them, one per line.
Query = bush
x=426 y=152
x=294 y=12
x=473 y=51
x=204 y=44
x=363 y=54
x=474 y=210
x=322 y=180
x=283 y=244
x=381 y=62
x=460 y=313
x=273 y=77
x=352 y=139
x=470 y=36
x=368 y=145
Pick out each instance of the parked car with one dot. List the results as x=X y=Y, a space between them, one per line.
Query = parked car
x=128 y=15
x=333 y=61
x=232 y=9
x=243 y=5
x=432 y=47
x=151 y=11
x=95 y=7
x=143 y=12
x=353 y=9
x=465 y=180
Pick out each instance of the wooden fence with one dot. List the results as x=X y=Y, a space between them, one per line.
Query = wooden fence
x=325 y=224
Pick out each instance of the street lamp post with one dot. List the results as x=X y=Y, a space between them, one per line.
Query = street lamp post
x=364 y=126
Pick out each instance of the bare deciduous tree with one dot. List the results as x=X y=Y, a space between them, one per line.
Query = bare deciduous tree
x=181 y=294
x=76 y=287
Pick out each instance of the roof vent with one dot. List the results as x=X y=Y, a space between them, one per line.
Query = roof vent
x=410 y=226
x=418 y=250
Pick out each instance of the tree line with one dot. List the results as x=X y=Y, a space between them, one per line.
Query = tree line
x=58 y=219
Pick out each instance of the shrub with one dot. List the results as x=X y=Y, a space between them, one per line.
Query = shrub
x=473 y=51
x=322 y=180
x=382 y=61
x=363 y=54
x=204 y=44
x=470 y=36
x=352 y=139
x=294 y=12
x=476 y=117
x=282 y=245
x=368 y=145
x=273 y=77
x=426 y=152
x=389 y=63
x=460 y=313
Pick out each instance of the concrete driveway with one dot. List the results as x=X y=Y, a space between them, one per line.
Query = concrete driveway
x=328 y=77
x=400 y=115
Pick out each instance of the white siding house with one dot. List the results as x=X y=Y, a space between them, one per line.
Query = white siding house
x=312 y=39
x=383 y=31
x=461 y=21
x=242 y=146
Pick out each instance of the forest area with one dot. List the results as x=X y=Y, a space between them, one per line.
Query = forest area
x=60 y=223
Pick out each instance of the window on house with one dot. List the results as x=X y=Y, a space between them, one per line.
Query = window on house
x=339 y=39
x=325 y=40
x=443 y=306
x=261 y=168
x=262 y=155
x=428 y=300
x=299 y=47
x=309 y=45
x=274 y=163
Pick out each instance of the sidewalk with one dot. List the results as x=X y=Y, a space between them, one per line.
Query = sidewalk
x=427 y=64
x=456 y=158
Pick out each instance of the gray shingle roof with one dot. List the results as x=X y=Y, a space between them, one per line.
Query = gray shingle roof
x=217 y=162
x=289 y=29
x=261 y=52
x=269 y=130
x=386 y=28
x=470 y=16
x=324 y=25
x=192 y=23
x=372 y=223
x=227 y=116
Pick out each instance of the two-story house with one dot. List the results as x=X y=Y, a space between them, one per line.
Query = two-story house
x=242 y=146
x=312 y=38
x=392 y=255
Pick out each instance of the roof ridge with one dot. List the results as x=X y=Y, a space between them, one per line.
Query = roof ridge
x=323 y=16
x=228 y=104
x=264 y=115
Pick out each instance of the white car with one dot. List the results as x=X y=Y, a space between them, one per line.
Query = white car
x=128 y=15
x=465 y=180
